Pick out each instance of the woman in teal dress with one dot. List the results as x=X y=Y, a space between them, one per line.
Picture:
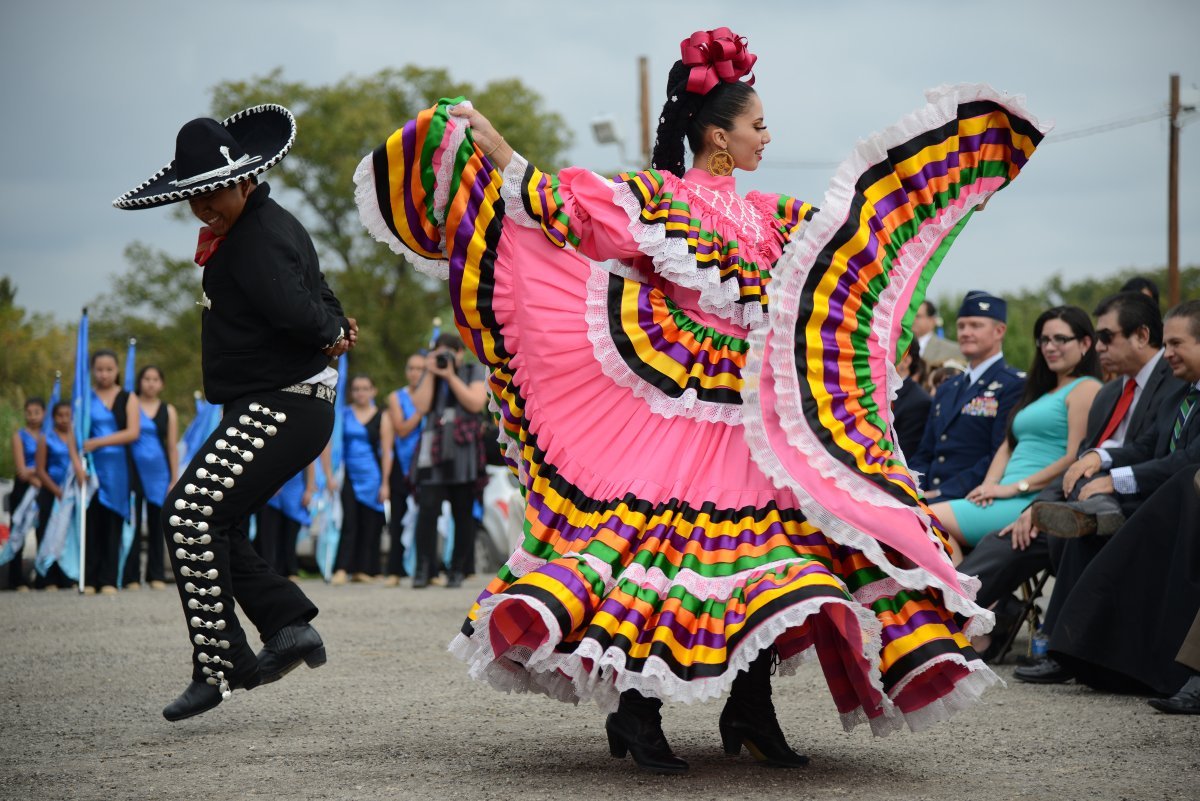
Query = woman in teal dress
x=1044 y=432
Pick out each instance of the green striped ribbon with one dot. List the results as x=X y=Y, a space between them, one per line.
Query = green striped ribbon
x=1185 y=408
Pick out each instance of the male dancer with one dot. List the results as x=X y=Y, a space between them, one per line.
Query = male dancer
x=270 y=327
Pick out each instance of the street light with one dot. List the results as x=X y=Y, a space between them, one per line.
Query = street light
x=606 y=132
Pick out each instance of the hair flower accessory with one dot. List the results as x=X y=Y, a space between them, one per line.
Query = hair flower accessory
x=717 y=55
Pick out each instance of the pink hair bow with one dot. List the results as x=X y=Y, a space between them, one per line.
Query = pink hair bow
x=718 y=55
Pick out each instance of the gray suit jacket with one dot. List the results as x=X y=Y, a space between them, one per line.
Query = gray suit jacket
x=938 y=350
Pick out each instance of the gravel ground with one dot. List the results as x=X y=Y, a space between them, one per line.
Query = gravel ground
x=393 y=715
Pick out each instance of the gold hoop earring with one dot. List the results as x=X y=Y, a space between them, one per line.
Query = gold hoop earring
x=720 y=163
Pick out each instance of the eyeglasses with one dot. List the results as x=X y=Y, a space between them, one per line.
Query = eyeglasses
x=1058 y=339
x=1106 y=336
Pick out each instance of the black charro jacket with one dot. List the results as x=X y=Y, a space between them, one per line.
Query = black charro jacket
x=268 y=311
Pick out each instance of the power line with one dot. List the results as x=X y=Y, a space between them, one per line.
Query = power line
x=1104 y=127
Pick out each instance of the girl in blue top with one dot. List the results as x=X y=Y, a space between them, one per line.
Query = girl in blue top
x=156 y=465
x=115 y=422
x=367 y=455
x=24 y=448
x=56 y=455
x=1044 y=433
x=407 y=422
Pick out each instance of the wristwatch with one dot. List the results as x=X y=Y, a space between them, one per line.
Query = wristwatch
x=1022 y=486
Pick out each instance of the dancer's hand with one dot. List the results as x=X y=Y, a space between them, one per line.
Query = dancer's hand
x=485 y=135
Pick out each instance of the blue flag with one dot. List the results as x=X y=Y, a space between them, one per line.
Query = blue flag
x=208 y=415
x=130 y=362
x=128 y=531
x=55 y=394
x=329 y=534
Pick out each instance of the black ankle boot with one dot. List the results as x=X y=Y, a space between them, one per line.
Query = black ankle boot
x=201 y=696
x=636 y=729
x=749 y=717
x=295 y=643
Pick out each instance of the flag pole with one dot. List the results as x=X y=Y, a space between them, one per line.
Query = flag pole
x=82 y=386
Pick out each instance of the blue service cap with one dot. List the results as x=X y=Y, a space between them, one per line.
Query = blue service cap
x=978 y=303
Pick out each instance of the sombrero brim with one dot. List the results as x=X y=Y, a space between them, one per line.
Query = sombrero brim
x=265 y=133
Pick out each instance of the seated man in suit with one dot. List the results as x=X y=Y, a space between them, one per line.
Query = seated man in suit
x=1159 y=463
x=969 y=416
x=1129 y=343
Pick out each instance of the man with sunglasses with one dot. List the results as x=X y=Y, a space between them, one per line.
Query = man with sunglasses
x=1129 y=342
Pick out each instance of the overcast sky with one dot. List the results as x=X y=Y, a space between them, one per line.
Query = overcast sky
x=94 y=92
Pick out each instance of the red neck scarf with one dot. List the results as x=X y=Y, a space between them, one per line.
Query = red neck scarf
x=207 y=245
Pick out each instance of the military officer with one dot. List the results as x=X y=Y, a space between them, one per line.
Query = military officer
x=969 y=416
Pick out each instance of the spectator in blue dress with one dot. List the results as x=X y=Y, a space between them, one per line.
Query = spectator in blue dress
x=156 y=466
x=1044 y=432
x=56 y=455
x=367 y=454
x=115 y=421
x=407 y=422
x=24 y=448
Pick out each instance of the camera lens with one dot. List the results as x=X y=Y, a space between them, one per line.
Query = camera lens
x=443 y=361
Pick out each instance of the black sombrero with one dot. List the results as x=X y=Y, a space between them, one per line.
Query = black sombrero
x=210 y=155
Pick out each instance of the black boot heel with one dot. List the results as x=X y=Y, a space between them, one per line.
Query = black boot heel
x=616 y=746
x=730 y=739
x=316 y=658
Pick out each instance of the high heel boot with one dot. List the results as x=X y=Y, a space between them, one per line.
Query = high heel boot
x=636 y=729
x=749 y=717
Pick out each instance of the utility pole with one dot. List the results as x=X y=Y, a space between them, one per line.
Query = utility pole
x=644 y=80
x=1173 y=297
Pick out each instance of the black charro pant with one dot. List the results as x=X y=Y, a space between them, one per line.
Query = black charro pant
x=263 y=439
x=399 y=501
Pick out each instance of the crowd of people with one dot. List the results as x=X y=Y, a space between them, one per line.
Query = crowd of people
x=390 y=459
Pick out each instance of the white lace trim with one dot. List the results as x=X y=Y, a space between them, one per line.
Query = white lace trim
x=674 y=261
x=564 y=677
x=372 y=219
x=613 y=364
x=790 y=274
x=513 y=189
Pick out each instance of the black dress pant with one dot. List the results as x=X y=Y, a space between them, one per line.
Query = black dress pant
x=104 y=527
x=155 y=567
x=361 y=542
x=1002 y=569
x=263 y=439
x=54 y=575
x=276 y=541
x=398 y=484
x=429 y=508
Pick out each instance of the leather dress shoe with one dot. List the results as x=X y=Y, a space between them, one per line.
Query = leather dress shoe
x=454 y=580
x=291 y=645
x=1045 y=671
x=1062 y=520
x=1184 y=702
x=201 y=696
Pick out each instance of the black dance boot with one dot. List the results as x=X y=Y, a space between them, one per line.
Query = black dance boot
x=749 y=717
x=636 y=729
x=201 y=696
x=295 y=643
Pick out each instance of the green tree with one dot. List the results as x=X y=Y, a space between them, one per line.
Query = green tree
x=1026 y=306
x=339 y=124
x=34 y=347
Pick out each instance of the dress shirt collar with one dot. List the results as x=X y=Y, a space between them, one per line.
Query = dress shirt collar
x=975 y=373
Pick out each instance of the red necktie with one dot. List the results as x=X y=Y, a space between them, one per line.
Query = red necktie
x=1123 y=404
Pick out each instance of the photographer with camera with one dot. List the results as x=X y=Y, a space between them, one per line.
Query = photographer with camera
x=449 y=460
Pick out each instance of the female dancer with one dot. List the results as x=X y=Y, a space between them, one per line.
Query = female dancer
x=709 y=478
x=156 y=466
x=367 y=450
x=56 y=453
x=25 y=443
x=1045 y=431
x=115 y=421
